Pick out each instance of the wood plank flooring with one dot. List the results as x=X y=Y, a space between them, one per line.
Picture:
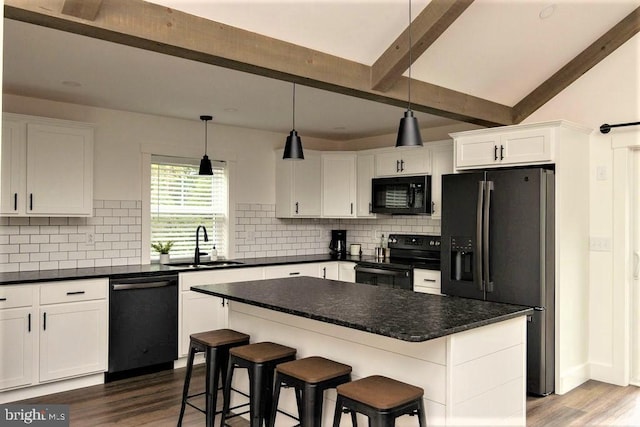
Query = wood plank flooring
x=154 y=400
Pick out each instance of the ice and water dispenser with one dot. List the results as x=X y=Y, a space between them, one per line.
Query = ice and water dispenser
x=462 y=258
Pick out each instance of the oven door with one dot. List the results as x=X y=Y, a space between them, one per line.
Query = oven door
x=387 y=277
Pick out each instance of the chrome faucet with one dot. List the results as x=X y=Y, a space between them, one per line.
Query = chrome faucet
x=196 y=256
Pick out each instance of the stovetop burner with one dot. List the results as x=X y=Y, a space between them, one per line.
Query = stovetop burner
x=407 y=251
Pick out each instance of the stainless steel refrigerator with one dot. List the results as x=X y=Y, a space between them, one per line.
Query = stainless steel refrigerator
x=498 y=245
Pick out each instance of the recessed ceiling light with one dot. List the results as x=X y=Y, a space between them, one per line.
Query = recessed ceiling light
x=547 y=11
x=231 y=110
x=339 y=128
x=71 y=83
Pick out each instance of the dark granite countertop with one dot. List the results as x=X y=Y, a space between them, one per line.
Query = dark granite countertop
x=396 y=313
x=22 y=277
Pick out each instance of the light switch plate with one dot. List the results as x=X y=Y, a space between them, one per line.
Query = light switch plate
x=600 y=244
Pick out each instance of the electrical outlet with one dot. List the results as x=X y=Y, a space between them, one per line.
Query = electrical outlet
x=601 y=173
x=600 y=244
x=376 y=235
x=91 y=239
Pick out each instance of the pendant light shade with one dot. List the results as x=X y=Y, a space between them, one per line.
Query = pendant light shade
x=293 y=145
x=409 y=130
x=205 y=163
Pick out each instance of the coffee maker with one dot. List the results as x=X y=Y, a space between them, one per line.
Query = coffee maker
x=338 y=245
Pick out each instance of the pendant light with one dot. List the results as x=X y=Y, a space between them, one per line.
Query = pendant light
x=205 y=163
x=409 y=130
x=293 y=146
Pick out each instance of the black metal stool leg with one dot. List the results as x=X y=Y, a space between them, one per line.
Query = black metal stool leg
x=256 y=401
x=187 y=381
x=227 y=391
x=274 y=404
x=337 y=414
x=213 y=369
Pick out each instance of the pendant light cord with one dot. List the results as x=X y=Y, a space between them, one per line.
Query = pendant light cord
x=410 y=41
x=294 y=106
x=205 y=136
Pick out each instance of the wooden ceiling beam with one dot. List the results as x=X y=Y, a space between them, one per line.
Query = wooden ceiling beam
x=587 y=59
x=157 y=28
x=426 y=28
x=83 y=9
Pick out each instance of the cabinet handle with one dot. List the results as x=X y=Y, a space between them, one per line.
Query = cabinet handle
x=296 y=207
x=502 y=152
x=294 y=273
x=3 y=299
x=397 y=165
x=30 y=201
x=324 y=272
x=44 y=321
x=29 y=323
x=430 y=280
x=351 y=208
x=15 y=201
x=75 y=293
x=495 y=153
x=401 y=165
x=223 y=302
x=433 y=207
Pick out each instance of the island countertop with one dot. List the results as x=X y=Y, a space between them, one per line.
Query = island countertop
x=395 y=313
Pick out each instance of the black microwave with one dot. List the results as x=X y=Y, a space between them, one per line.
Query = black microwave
x=406 y=195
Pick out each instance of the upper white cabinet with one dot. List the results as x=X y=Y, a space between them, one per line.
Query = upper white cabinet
x=298 y=186
x=503 y=146
x=47 y=167
x=403 y=161
x=338 y=185
x=365 y=173
x=441 y=163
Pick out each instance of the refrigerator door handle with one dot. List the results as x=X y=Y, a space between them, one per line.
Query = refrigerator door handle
x=486 y=254
x=477 y=259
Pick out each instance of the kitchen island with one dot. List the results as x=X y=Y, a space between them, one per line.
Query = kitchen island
x=468 y=355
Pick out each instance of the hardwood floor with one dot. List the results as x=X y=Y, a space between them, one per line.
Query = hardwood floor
x=154 y=400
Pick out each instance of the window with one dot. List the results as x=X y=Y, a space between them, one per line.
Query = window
x=181 y=200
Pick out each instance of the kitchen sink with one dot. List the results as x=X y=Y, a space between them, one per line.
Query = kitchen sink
x=204 y=264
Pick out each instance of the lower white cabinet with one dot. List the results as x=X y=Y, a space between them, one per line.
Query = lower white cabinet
x=328 y=270
x=57 y=330
x=291 y=270
x=200 y=312
x=347 y=271
x=426 y=281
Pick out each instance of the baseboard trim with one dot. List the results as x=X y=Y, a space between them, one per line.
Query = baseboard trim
x=50 y=388
x=572 y=378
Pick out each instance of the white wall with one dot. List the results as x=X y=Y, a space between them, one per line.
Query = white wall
x=608 y=93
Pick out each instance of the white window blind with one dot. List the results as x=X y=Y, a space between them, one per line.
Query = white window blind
x=181 y=200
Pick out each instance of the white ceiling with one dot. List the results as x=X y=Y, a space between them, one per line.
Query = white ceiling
x=497 y=50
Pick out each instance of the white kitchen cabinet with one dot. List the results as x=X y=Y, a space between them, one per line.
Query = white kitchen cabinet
x=200 y=312
x=426 y=281
x=403 y=161
x=501 y=147
x=298 y=186
x=49 y=167
x=347 y=271
x=441 y=164
x=365 y=172
x=17 y=336
x=338 y=185
x=73 y=329
x=291 y=270
x=328 y=270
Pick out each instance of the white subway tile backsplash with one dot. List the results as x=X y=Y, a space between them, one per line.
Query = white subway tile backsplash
x=42 y=243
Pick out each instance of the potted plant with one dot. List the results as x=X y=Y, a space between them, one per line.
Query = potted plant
x=163 y=249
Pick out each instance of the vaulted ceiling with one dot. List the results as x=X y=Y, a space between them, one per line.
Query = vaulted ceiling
x=485 y=62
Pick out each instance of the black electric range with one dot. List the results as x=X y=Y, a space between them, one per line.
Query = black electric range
x=405 y=252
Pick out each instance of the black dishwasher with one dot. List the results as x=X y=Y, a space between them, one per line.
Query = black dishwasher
x=143 y=324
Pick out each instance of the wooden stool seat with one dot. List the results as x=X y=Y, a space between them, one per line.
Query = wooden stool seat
x=381 y=399
x=219 y=337
x=262 y=352
x=313 y=369
x=380 y=392
x=310 y=377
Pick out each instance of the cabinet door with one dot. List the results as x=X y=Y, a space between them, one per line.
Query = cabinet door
x=59 y=170
x=426 y=281
x=200 y=313
x=13 y=161
x=17 y=337
x=388 y=164
x=338 y=185
x=307 y=186
x=527 y=146
x=403 y=161
x=477 y=150
x=365 y=173
x=73 y=339
x=441 y=163
x=347 y=272
x=328 y=270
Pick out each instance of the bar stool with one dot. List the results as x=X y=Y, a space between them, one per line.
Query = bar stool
x=310 y=377
x=216 y=345
x=381 y=399
x=260 y=360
